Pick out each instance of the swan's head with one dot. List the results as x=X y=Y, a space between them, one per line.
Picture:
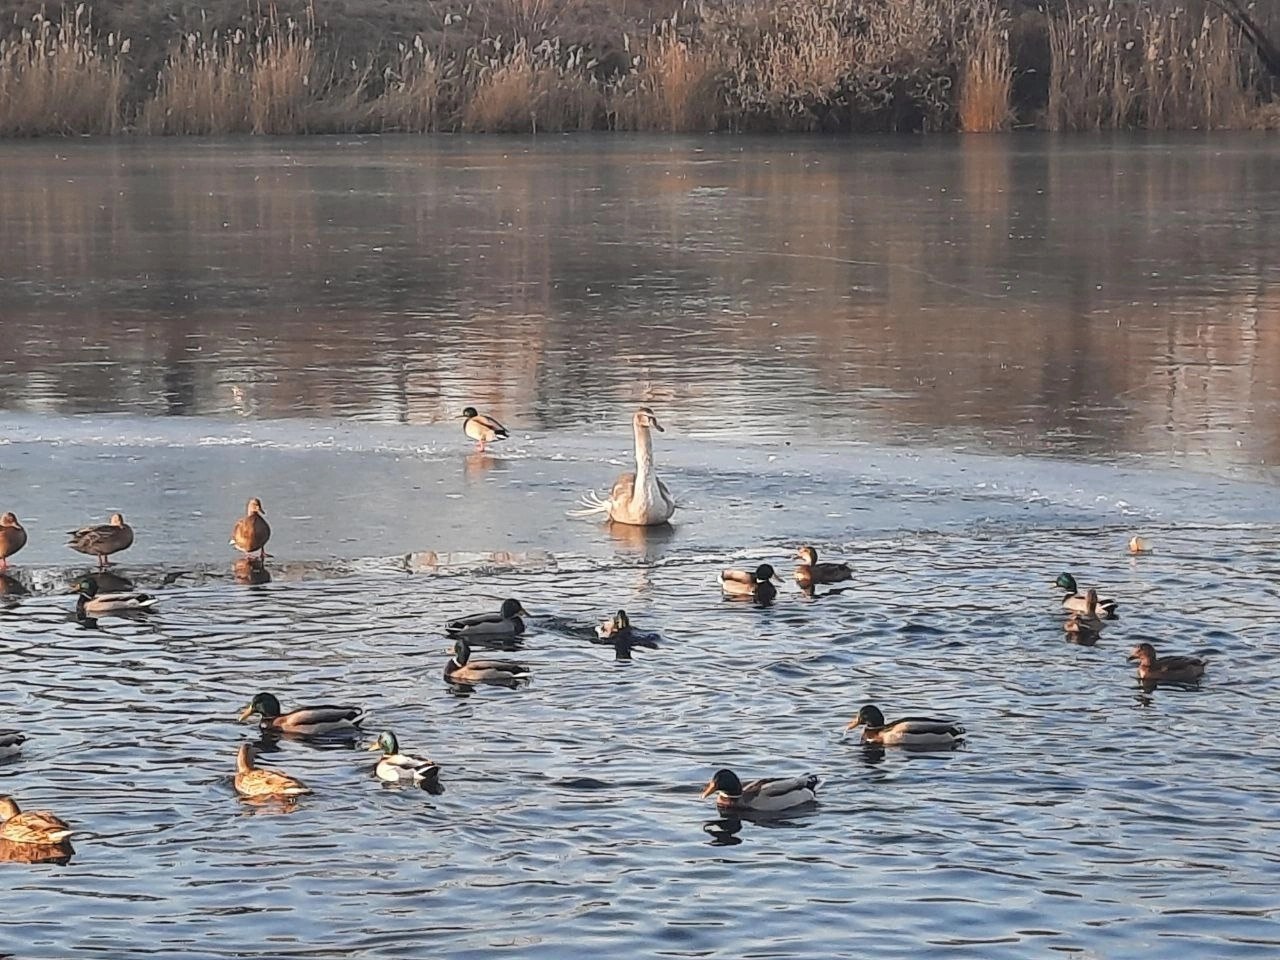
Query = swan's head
x=647 y=418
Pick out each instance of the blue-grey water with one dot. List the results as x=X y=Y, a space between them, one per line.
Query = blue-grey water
x=963 y=365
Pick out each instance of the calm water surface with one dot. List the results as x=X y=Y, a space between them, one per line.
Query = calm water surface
x=963 y=365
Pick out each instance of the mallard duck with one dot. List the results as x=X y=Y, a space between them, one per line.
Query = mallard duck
x=482 y=429
x=34 y=826
x=93 y=603
x=304 y=721
x=11 y=742
x=253 y=781
x=104 y=540
x=462 y=669
x=252 y=531
x=809 y=571
x=1078 y=602
x=760 y=796
x=502 y=625
x=618 y=633
x=759 y=586
x=1083 y=629
x=920 y=733
x=639 y=499
x=394 y=766
x=13 y=537
x=1175 y=669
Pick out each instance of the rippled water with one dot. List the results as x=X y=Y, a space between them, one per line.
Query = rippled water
x=1083 y=816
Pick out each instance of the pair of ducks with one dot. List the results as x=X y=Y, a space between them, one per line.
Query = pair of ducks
x=1089 y=612
x=321 y=721
x=777 y=794
x=38 y=828
x=758 y=584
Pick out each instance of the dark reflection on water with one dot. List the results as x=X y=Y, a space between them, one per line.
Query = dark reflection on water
x=1082 y=295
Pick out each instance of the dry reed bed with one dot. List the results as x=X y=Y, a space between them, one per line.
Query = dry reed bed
x=734 y=65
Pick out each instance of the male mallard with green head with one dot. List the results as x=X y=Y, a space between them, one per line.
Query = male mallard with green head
x=502 y=624
x=252 y=531
x=1078 y=602
x=757 y=585
x=770 y=795
x=303 y=721
x=481 y=428
x=93 y=603
x=918 y=733
x=13 y=537
x=103 y=540
x=396 y=767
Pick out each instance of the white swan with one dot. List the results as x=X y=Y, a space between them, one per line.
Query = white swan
x=639 y=499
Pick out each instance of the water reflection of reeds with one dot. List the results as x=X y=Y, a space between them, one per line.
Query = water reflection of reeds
x=1025 y=291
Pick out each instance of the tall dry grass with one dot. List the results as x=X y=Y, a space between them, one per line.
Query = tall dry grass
x=1119 y=65
x=532 y=66
x=985 y=102
x=59 y=79
x=674 y=87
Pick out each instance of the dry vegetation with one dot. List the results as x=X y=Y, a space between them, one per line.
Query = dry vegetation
x=675 y=65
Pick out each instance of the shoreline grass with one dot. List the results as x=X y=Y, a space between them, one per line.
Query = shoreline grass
x=679 y=66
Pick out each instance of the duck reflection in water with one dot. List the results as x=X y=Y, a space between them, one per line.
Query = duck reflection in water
x=724 y=831
x=12 y=587
x=251 y=571
x=59 y=853
x=477 y=464
x=644 y=543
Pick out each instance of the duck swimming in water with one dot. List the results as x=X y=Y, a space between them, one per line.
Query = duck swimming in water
x=91 y=603
x=618 y=633
x=103 y=540
x=1172 y=669
x=504 y=624
x=34 y=826
x=810 y=572
x=11 y=742
x=461 y=669
x=396 y=767
x=254 y=781
x=919 y=733
x=757 y=584
x=1078 y=602
x=640 y=498
x=482 y=429
x=303 y=721
x=760 y=796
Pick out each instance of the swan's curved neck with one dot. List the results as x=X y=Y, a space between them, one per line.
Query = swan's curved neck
x=644 y=454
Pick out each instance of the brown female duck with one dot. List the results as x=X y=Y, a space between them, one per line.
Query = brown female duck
x=103 y=540
x=13 y=537
x=252 y=531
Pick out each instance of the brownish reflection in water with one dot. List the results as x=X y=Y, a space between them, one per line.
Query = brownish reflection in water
x=1077 y=295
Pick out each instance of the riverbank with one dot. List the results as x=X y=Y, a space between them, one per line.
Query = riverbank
x=527 y=66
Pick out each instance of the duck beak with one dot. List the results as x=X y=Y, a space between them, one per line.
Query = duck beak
x=374 y=746
x=708 y=790
x=852 y=723
x=246 y=713
x=1131 y=658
